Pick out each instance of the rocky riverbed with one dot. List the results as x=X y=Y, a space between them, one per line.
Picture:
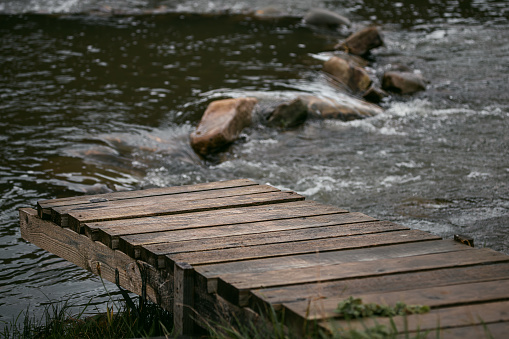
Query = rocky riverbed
x=224 y=120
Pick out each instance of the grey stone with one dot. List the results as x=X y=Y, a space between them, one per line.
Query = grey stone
x=323 y=17
x=345 y=109
x=363 y=41
x=403 y=82
x=289 y=115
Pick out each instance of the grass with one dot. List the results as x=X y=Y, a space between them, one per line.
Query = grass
x=122 y=319
x=119 y=321
x=148 y=320
x=127 y=319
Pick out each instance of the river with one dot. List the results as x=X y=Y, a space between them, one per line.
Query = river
x=96 y=96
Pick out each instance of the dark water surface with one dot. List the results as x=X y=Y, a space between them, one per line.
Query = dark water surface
x=99 y=103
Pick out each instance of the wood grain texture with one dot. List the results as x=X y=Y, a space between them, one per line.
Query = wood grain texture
x=329 y=258
x=44 y=206
x=257 y=246
x=301 y=247
x=276 y=237
x=434 y=297
x=95 y=257
x=459 y=316
x=106 y=209
x=184 y=299
x=218 y=223
x=210 y=273
x=378 y=284
x=488 y=331
x=77 y=218
x=236 y=287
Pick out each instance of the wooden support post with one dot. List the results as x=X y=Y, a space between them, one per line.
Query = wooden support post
x=183 y=299
x=464 y=239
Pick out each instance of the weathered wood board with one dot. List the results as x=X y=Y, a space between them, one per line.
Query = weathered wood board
x=229 y=249
x=44 y=207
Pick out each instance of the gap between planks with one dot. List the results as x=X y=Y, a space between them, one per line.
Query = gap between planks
x=300 y=247
x=44 y=207
x=459 y=316
x=236 y=287
x=242 y=220
x=434 y=297
x=75 y=216
x=275 y=297
x=164 y=252
x=210 y=273
x=78 y=220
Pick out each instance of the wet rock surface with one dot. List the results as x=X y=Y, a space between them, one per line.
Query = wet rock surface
x=348 y=73
x=375 y=94
x=403 y=82
x=324 y=17
x=221 y=124
x=345 y=109
x=289 y=115
x=363 y=41
x=354 y=77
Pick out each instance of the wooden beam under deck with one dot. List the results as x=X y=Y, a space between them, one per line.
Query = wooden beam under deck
x=217 y=251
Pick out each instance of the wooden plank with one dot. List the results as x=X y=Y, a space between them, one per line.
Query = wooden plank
x=163 y=228
x=450 y=317
x=489 y=331
x=329 y=258
x=44 y=206
x=159 y=251
x=434 y=297
x=301 y=247
x=210 y=273
x=184 y=299
x=236 y=287
x=60 y=215
x=96 y=258
x=158 y=207
x=379 y=284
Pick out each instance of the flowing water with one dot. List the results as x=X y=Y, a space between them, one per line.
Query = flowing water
x=99 y=96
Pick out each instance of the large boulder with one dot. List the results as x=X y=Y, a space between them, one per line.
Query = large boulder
x=403 y=82
x=363 y=41
x=346 y=109
x=221 y=124
x=323 y=17
x=288 y=115
x=356 y=78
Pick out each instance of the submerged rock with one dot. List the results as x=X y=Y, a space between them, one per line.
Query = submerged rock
x=346 y=110
x=356 y=78
x=323 y=17
x=289 y=115
x=221 y=124
x=403 y=82
x=363 y=41
x=375 y=94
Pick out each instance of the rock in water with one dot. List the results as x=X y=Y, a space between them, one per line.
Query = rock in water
x=403 y=82
x=361 y=42
x=289 y=115
x=221 y=124
x=346 y=110
x=375 y=94
x=356 y=78
x=323 y=17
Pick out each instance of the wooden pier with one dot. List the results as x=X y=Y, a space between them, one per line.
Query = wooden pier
x=221 y=250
